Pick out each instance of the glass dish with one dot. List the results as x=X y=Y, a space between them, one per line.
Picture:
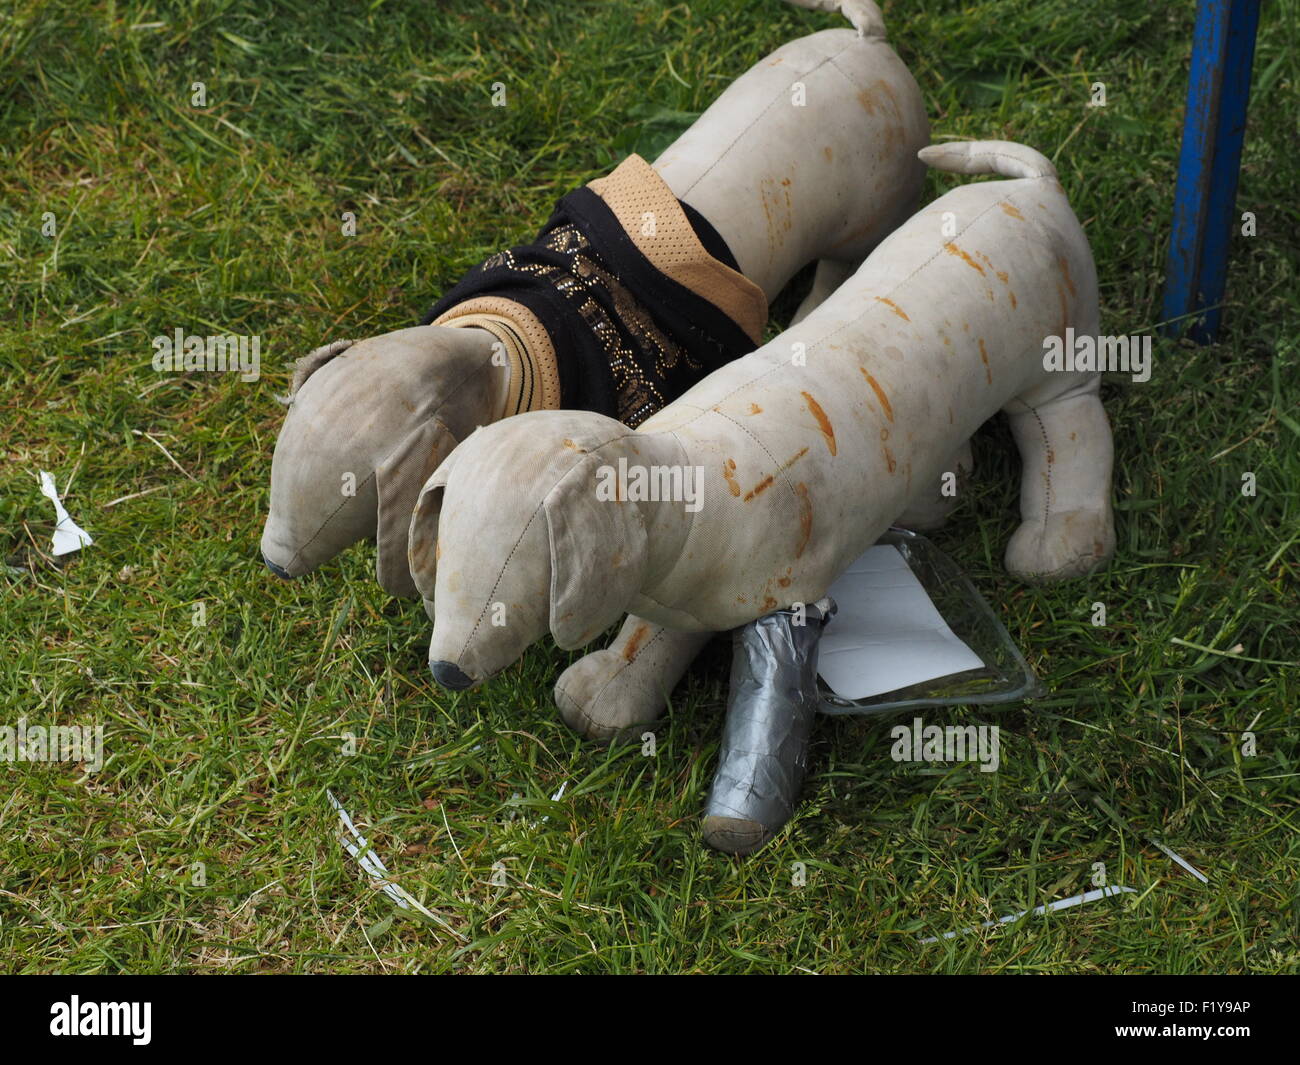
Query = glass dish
x=1005 y=676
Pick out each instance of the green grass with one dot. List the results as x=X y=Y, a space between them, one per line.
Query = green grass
x=223 y=739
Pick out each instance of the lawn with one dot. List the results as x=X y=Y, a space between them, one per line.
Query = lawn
x=206 y=842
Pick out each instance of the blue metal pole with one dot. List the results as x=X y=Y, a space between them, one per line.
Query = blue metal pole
x=1218 y=91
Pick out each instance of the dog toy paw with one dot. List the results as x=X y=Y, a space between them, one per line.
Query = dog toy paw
x=1068 y=544
x=609 y=696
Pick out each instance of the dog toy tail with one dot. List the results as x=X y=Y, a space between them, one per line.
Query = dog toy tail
x=988 y=157
x=864 y=15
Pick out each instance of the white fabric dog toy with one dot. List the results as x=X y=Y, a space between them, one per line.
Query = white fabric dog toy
x=755 y=489
x=809 y=156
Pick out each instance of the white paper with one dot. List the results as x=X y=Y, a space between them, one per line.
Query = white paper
x=887 y=633
x=68 y=536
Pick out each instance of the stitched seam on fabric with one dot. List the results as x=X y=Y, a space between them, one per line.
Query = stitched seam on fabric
x=500 y=576
x=872 y=308
x=1047 y=467
x=626 y=664
x=329 y=518
x=758 y=118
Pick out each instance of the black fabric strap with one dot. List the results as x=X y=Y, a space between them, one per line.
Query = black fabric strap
x=561 y=278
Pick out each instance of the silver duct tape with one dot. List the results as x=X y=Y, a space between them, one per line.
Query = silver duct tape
x=770 y=711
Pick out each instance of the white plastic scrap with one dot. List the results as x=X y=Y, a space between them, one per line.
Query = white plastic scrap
x=1183 y=862
x=68 y=535
x=355 y=844
x=556 y=798
x=1059 y=904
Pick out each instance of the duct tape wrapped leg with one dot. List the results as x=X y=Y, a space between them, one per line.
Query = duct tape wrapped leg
x=769 y=720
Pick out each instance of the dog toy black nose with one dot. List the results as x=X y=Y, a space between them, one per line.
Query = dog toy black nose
x=449 y=675
x=279 y=571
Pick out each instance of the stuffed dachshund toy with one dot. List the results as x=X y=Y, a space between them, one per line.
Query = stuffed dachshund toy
x=641 y=283
x=758 y=487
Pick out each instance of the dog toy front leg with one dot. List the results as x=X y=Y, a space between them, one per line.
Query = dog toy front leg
x=829 y=276
x=1066 y=451
x=770 y=713
x=610 y=695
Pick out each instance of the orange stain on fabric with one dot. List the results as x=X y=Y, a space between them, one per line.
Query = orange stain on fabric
x=770 y=479
x=880 y=394
x=893 y=307
x=760 y=488
x=729 y=475
x=823 y=422
x=634 y=644
x=1064 y=264
x=952 y=249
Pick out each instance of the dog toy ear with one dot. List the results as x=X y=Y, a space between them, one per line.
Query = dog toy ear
x=598 y=558
x=422 y=532
x=313 y=361
x=398 y=481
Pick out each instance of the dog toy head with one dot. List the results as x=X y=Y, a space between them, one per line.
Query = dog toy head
x=522 y=530
x=368 y=421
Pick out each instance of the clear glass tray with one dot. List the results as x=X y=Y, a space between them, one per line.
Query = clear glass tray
x=1005 y=676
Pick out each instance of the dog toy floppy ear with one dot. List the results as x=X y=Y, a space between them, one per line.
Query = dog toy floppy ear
x=397 y=484
x=314 y=360
x=422 y=531
x=369 y=421
x=590 y=535
x=525 y=529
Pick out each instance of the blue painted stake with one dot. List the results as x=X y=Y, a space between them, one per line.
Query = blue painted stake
x=1218 y=90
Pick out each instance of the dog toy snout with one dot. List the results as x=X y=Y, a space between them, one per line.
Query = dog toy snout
x=450 y=676
x=279 y=571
